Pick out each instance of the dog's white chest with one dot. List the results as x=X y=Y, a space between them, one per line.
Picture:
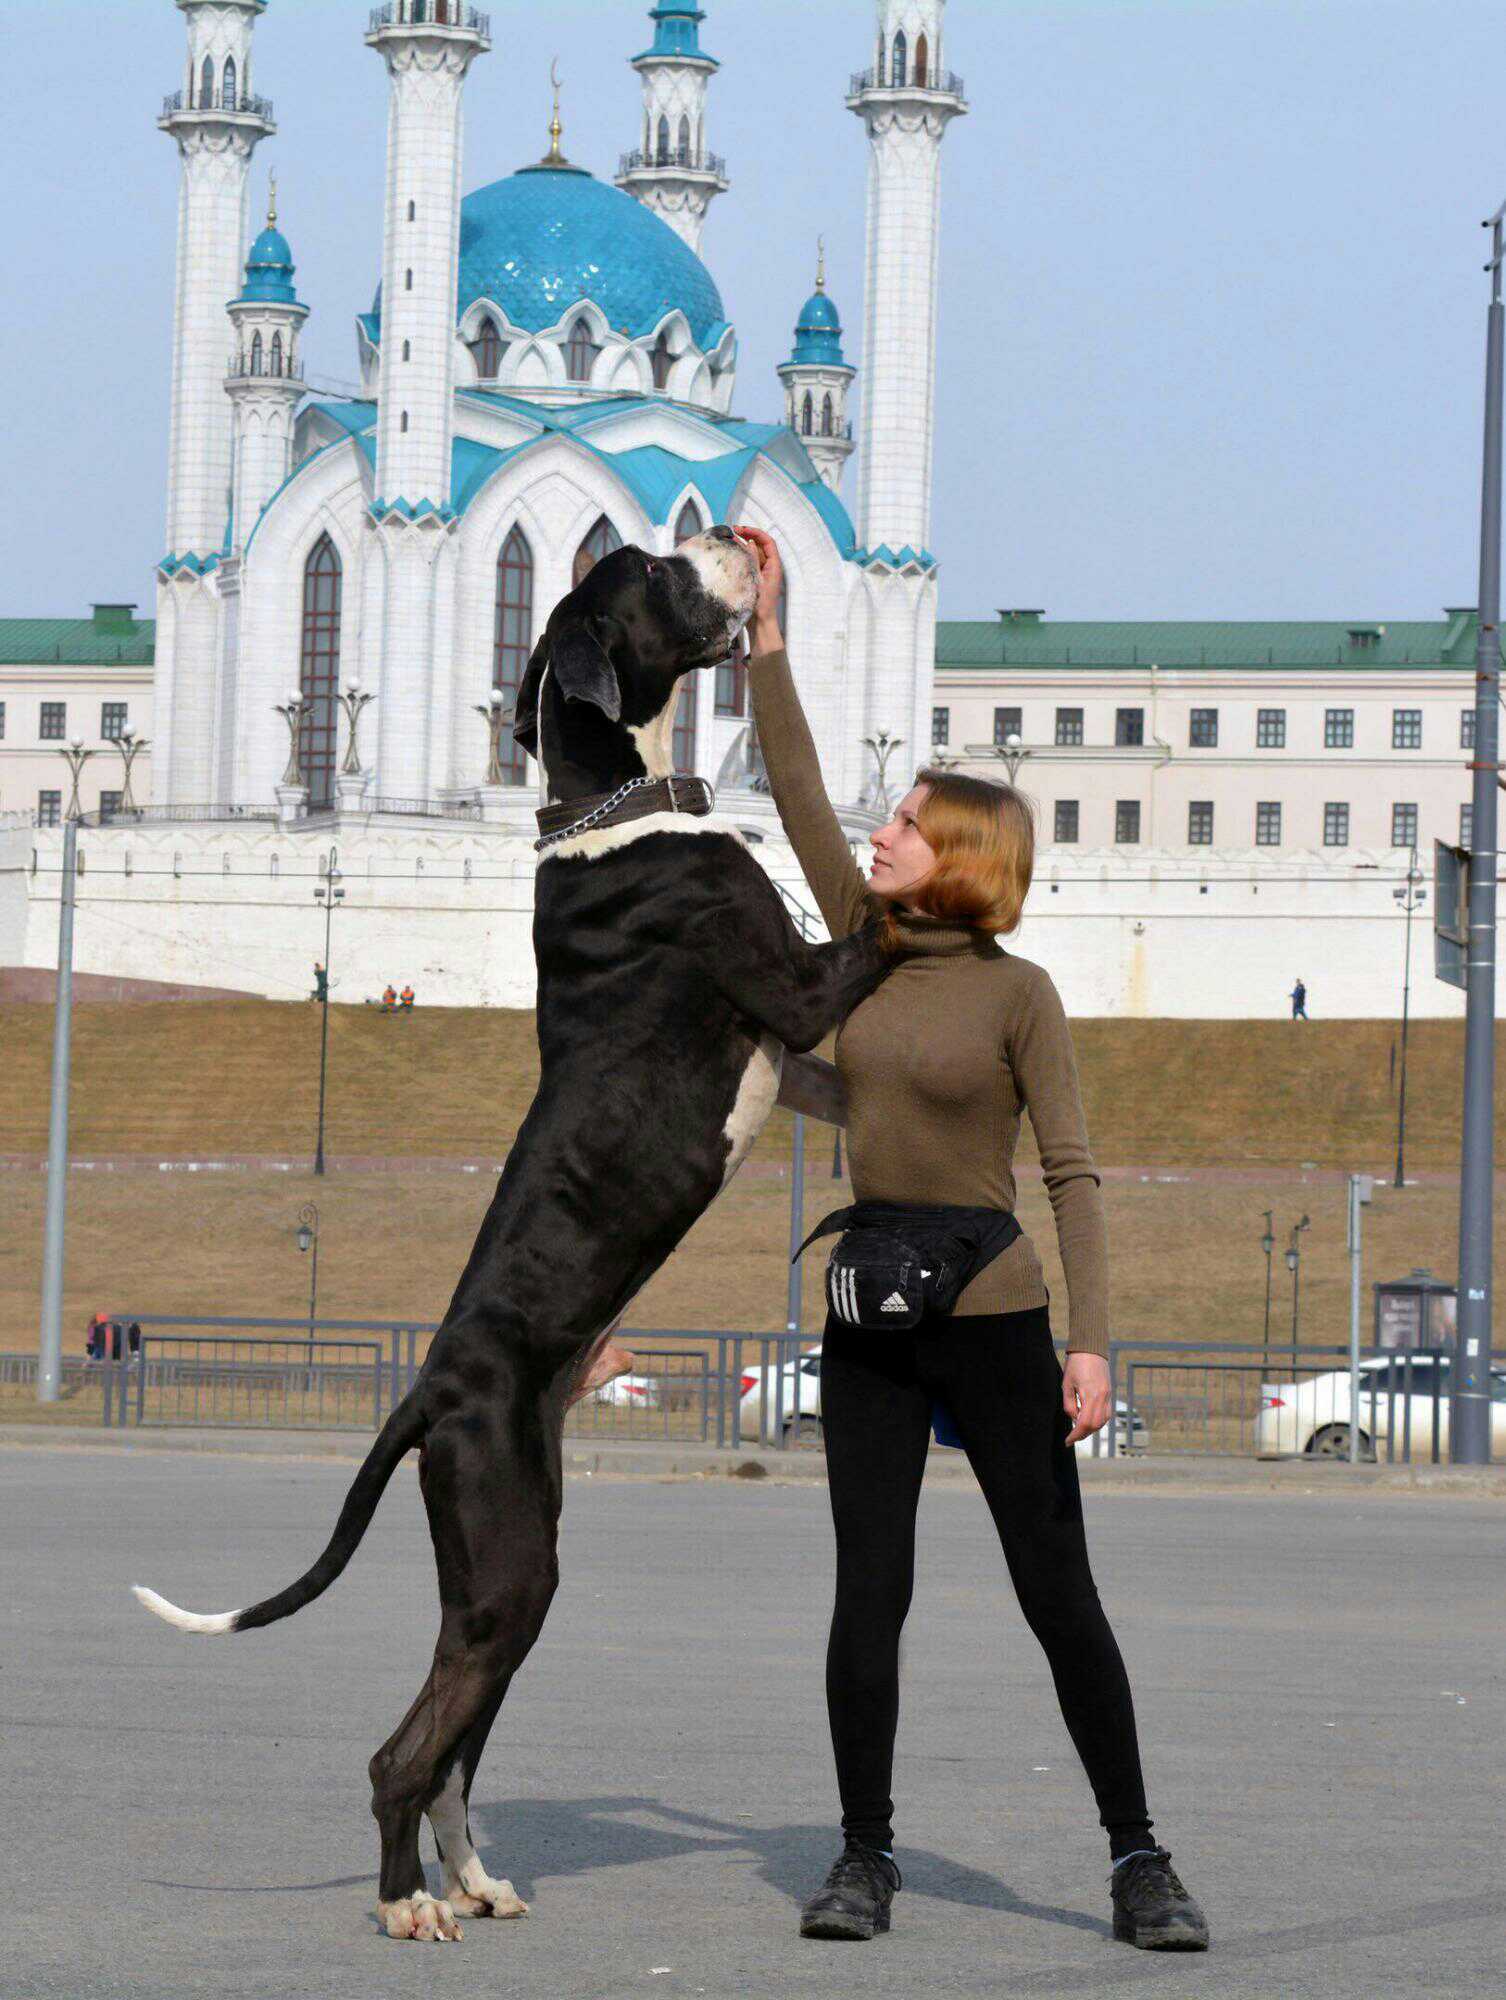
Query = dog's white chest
x=756 y=1095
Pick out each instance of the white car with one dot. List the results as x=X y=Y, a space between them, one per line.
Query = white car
x=1131 y=1433
x=1312 y=1417
x=629 y=1392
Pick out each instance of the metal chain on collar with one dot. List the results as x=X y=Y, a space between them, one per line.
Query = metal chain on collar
x=598 y=813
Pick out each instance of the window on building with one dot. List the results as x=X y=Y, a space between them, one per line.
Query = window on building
x=941 y=726
x=1466 y=826
x=407 y=281
x=689 y=522
x=407 y=350
x=513 y=641
x=580 y=351
x=277 y=354
x=488 y=349
x=2 y=721
x=1270 y=729
x=258 y=360
x=1338 y=729
x=1129 y=726
x=1007 y=723
x=1268 y=823
x=1069 y=725
x=1466 y=729
x=112 y=720
x=663 y=159
x=922 y=63
x=319 y=670
x=1404 y=826
x=897 y=70
x=1336 y=824
x=1065 y=819
x=206 y=85
x=403 y=426
x=828 y=418
x=49 y=808
x=601 y=541
x=413 y=211
x=1406 y=729
x=1200 y=823
x=109 y=805
x=1202 y=729
x=229 y=99
x=807 y=416
x=1126 y=822
x=54 y=725
x=684 y=147
x=661 y=361
x=684 y=737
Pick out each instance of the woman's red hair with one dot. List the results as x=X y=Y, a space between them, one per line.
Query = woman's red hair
x=983 y=837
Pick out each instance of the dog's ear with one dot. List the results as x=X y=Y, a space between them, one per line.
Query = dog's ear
x=525 y=717
x=583 y=670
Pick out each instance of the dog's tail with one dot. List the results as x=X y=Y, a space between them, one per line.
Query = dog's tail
x=403 y=1429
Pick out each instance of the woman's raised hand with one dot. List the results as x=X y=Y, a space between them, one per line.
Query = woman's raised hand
x=766 y=635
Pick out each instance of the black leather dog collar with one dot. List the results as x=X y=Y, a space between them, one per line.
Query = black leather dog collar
x=634 y=800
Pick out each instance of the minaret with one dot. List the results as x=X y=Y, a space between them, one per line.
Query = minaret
x=816 y=379
x=265 y=383
x=671 y=172
x=216 y=122
x=906 y=102
x=428 y=49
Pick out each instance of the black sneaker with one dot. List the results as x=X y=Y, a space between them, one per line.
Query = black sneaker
x=1151 y=1907
x=853 y=1902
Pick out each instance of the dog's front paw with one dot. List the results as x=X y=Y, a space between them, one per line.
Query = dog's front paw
x=475 y=1894
x=421 y=1917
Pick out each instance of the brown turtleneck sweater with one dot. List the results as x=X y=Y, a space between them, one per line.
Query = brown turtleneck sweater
x=940 y=1062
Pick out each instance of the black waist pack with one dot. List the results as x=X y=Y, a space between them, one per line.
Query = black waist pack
x=896 y=1261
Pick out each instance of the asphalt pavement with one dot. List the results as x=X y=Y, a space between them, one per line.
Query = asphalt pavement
x=1319 y=1679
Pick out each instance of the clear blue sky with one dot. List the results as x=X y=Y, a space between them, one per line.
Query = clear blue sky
x=1212 y=309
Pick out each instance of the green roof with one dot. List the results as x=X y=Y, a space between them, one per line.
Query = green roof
x=111 y=638
x=1027 y=640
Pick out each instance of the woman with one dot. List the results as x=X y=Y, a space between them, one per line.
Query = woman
x=938 y=1066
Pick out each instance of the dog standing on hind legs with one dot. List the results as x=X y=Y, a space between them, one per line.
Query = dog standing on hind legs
x=671 y=980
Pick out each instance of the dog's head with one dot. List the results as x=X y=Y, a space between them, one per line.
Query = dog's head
x=597 y=703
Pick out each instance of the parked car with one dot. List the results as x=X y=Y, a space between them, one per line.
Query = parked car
x=629 y=1392
x=1131 y=1431
x=1312 y=1416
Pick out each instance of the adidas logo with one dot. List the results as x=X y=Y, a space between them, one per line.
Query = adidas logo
x=894 y=1304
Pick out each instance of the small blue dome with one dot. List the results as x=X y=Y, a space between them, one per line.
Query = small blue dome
x=547 y=236
x=269 y=270
x=818 y=332
x=677 y=30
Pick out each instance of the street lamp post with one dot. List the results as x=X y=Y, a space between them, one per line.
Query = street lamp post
x=308 y=1239
x=883 y=746
x=328 y=893
x=1012 y=754
x=1411 y=898
x=130 y=746
x=1267 y=1244
x=295 y=712
x=1294 y=1265
x=355 y=702
x=492 y=713
x=75 y=756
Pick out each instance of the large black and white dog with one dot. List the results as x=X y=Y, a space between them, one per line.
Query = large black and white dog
x=670 y=980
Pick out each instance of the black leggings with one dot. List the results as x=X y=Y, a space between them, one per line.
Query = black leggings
x=1002 y=1384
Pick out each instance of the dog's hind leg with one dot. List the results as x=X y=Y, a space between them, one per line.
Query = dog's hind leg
x=468 y=1889
x=494 y=1538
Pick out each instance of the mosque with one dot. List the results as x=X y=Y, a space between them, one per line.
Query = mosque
x=548 y=372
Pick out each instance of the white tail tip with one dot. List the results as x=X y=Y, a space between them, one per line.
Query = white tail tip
x=208 y=1623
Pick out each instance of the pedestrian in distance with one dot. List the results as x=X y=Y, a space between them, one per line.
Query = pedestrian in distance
x=1299 y=1002
x=407 y=999
x=938 y=1065
x=389 y=1000
x=321 y=983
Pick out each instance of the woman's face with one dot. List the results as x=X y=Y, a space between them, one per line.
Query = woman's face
x=901 y=857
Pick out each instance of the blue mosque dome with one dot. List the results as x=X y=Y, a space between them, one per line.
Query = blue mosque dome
x=677 y=31
x=269 y=270
x=818 y=331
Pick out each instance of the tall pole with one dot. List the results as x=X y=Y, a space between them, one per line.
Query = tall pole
x=1469 y=1429
x=1411 y=897
x=330 y=893
x=50 y=1354
x=1360 y=1186
x=793 y=1300
x=1268 y=1244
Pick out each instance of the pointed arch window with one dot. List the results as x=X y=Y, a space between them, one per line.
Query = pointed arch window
x=661 y=361
x=206 y=86
x=277 y=354
x=601 y=541
x=514 y=640
x=922 y=63
x=828 y=418
x=580 y=351
x=488 y=347
x=689 y=522
x=663 y=158
x=684 y=151
x=897 y=72
x=319 y=669
x=257 y=363
x=807 y=416
x=229 y=99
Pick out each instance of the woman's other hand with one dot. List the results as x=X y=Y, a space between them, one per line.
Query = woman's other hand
x=766 y=636
x=1087 y=1396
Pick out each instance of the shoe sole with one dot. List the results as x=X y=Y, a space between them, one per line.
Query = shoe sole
x=1168 y=1937
x=843 y=1930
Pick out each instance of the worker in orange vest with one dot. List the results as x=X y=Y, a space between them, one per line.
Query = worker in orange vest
x=389 y=1000
x=407 y=999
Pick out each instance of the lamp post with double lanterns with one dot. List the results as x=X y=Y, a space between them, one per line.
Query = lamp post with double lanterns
x=883 y=746
x=328 y=893
x=75 y=756
x=493 y=712
x=130 y=746
x=1267 y=1244
x=1294 y=1265
x=308 y=1239
x=1411 y=897
x=1012 y=754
